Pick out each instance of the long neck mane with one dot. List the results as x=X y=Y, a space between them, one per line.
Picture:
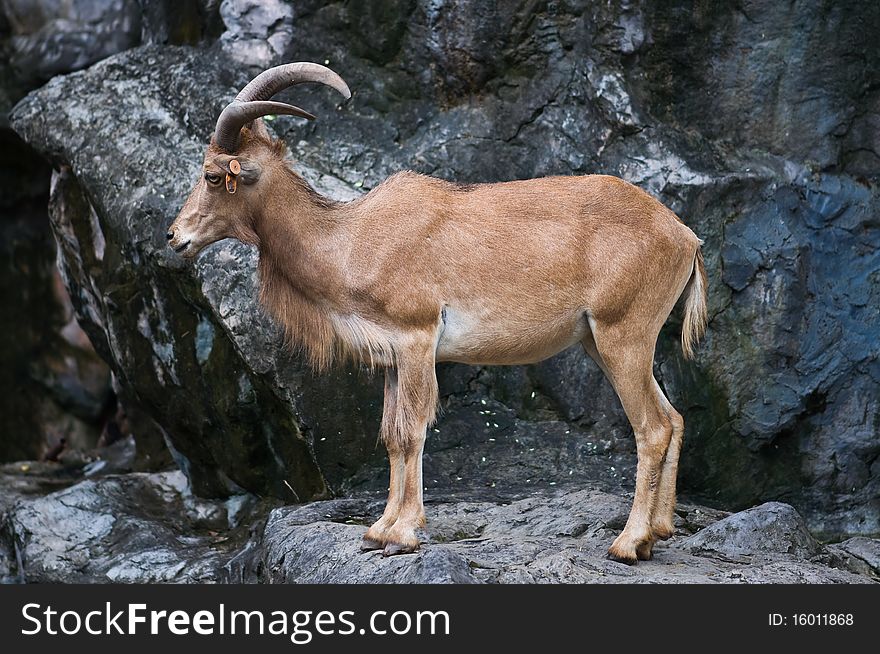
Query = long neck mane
x=299 y=255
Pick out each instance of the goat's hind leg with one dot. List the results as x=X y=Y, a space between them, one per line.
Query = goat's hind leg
x=628 y=366
x=376 y=536
x=662 y=524
x=653 y=432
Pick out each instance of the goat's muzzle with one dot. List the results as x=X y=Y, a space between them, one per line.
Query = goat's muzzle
x=180 y=249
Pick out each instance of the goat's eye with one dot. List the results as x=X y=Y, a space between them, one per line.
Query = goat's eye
x=212 y=178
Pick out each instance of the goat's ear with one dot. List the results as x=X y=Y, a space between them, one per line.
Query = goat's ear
x=245 y=169
x=250 y=171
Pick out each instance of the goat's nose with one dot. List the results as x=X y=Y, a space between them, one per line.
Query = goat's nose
x=169 y=235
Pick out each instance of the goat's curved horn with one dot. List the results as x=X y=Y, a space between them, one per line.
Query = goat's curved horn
x=252 y=102
x=276 y=79
x=238 y=114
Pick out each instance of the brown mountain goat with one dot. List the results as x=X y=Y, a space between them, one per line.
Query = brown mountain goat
x=420 y=270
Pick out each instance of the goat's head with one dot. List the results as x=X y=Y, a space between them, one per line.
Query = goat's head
x=221 y=205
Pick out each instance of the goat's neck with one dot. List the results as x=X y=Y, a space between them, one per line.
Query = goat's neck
x=299 y=238
x=302 y=247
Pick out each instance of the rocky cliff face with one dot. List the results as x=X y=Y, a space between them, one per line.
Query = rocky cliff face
x=757 y=124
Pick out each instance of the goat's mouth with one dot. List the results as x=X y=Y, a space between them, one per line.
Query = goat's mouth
x=183 y=246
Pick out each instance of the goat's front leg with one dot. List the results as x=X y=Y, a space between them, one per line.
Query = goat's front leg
x=415 y=408
x=375 y=538
x=402 y=538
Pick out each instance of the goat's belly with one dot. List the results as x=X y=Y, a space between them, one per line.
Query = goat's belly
x=484 y=338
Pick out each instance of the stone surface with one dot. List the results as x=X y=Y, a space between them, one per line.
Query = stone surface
x=258 y=32
x=559 y=537
x=149 y=527
x=48 y=37
x=860 y=554
x=769 y=528
x=758 y=129
x=43 y=38
x=133 y=528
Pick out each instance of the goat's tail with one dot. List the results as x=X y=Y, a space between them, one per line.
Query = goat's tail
x=695 y=316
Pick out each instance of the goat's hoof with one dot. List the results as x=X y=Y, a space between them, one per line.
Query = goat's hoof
x=392 y=549
x=645 y=551
x=628 y=559
x=623 y=551
x=370 y=544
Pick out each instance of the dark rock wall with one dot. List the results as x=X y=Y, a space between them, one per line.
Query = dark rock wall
x=797 y=79
x=756 y=122
x=52 y=384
